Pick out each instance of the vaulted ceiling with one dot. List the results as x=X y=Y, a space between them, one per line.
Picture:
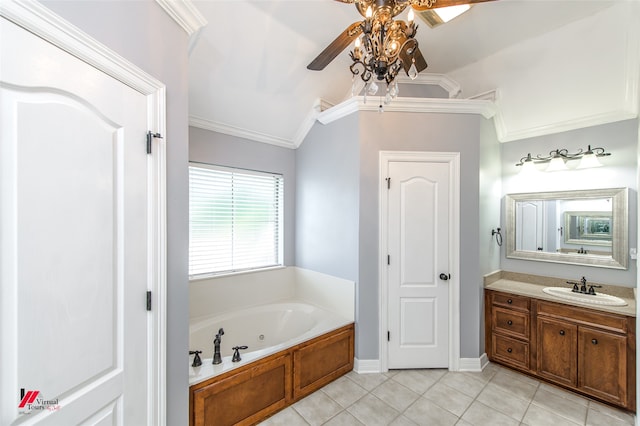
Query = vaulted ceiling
x=248 y=73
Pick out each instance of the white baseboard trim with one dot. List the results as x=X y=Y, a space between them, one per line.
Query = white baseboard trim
x=473 y=364
x=364 y=366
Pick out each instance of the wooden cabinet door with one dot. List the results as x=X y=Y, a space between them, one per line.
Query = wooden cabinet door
x=557 y=351
x=602 y=364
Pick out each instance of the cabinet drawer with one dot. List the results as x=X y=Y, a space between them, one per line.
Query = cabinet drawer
x=511 y=301
x=510 y=351
x=510 y=322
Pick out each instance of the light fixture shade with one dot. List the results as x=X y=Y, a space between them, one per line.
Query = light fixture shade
x=528 y=167
x=556 y=164
x=588 y=161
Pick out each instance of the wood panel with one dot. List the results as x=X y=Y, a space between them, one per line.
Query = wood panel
x=602 y=362
x=243 y=398
x=321 y=362
x=557 y=360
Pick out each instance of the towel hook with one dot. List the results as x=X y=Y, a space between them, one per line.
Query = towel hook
x=498 y=236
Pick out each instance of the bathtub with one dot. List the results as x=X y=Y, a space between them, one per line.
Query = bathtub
x=265 y=329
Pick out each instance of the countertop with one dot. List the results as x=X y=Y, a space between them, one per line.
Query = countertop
x=534 y=289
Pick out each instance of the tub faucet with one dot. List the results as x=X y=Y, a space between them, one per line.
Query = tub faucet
x=217 y=359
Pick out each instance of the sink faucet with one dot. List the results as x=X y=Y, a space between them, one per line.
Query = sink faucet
x=583 y=287
x=217 y=358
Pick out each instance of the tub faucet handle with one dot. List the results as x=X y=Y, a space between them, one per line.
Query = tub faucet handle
x=236 y=353
x=197 y=362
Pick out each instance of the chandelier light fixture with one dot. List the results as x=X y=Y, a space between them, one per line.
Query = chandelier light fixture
x=385 y=46
x=557 y=159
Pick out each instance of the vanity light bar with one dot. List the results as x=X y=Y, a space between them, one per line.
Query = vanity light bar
x=558 y=157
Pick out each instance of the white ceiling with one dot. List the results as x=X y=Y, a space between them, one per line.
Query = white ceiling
x=248 y=73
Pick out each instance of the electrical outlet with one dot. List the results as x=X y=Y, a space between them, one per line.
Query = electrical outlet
x=633 y=253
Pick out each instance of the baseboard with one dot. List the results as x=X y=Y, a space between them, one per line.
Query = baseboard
x=473 y=364
x=364 y=366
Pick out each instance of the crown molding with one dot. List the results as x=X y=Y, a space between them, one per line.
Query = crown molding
x=628 y=108
x=203 y=123
x=442 y=80
x=185 y=14
x=486 y=108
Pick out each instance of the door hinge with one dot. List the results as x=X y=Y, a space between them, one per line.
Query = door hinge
x=150 y=137
x=388 y=182
x=388 y=336
x=148 y=300
x=388 y=259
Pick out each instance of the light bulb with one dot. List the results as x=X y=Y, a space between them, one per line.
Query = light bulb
x=369 y=13
x=358 y=43
x=410 y=16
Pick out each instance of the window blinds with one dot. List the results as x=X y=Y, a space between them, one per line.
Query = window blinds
x=235 y=220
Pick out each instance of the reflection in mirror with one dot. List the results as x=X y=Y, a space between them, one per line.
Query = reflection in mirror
x=577 y=227
x=588 y=228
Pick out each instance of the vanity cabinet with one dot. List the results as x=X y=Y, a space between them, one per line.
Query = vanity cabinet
x=582 y=349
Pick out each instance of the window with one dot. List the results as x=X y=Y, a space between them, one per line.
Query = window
x=235 y=220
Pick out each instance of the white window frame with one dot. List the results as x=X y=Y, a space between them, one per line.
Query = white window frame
x=279 y=235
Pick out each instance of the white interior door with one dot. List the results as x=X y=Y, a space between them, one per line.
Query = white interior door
x=418 y=246
x=530 y=233
x=74 y=240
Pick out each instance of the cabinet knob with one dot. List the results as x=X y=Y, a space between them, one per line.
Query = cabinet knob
x=509 y=301
x=594 y=341
x=510 y=322
x=562 y=332
x=509 y=350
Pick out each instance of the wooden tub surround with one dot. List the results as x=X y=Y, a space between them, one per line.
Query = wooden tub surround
x=253 y=392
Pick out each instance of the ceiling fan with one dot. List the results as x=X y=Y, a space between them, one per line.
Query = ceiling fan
x=388 y=45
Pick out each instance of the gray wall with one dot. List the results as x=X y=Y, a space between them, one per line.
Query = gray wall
x=327 y=170
x=419 y=132
x=145 y=35
x=327 y=210
x=490 y=191
x=230 y=151
x=620 y=170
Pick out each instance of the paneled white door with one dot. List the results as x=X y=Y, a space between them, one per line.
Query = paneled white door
x=418 y=246
x=531 y=236
x=74 y=240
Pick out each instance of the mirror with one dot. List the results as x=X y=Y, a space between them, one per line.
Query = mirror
x=587 y=227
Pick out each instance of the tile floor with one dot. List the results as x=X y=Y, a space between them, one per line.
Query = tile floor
x=495 y=397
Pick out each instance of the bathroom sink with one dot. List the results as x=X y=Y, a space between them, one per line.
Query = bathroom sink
x=597 y=299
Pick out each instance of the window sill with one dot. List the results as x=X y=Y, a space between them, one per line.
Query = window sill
x=203 y=277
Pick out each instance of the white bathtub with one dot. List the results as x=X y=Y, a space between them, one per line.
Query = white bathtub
x=265 y=329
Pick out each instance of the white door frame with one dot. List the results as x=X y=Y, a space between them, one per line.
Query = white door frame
x=453 y=158
x=38 y=19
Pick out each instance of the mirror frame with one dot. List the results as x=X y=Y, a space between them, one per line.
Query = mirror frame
x=620 y=213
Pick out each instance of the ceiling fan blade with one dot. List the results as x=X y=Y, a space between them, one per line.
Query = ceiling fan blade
x=336 y=47
x=443 y=3
x=407 y=60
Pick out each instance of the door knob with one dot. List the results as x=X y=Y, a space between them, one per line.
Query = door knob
x=445 y=277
